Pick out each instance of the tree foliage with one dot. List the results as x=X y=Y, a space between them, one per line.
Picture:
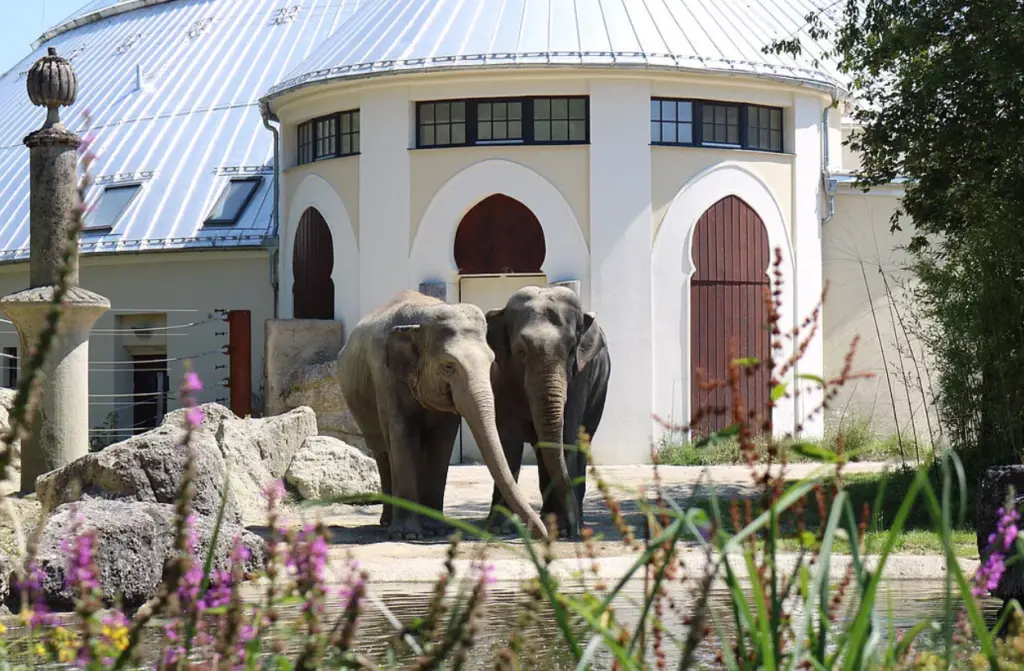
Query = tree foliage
x=939 y=91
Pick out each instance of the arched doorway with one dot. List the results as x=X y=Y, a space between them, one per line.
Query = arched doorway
x=727 y=298
x=499 y=248
x=499 y=235
x=312 y=265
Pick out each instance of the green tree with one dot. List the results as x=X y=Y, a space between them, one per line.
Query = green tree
x=939 y=86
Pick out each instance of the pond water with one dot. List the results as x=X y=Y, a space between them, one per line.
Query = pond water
x=911 y=601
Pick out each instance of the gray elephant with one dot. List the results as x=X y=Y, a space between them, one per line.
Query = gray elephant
x=408 y=371
x=550 y=378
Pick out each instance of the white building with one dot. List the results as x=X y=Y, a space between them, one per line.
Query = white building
x=648 y=151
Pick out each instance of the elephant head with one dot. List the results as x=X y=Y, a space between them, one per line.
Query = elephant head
x=446 y=362
x=542 y=339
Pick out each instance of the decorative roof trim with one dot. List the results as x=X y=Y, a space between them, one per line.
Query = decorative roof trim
x=153 y=245
x=93 y=17
x=801 y=76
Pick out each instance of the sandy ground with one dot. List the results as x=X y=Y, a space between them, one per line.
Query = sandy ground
x=356 y=532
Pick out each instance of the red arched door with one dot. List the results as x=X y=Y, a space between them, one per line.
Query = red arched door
x=312 y=265
x=499 y=235
x=727 y=299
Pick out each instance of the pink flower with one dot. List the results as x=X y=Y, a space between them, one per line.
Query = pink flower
x=195 y=417
x=192 y=383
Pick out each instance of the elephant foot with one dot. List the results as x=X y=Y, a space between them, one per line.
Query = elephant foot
x=408 y=529
x=436 y=528
x=499 y=525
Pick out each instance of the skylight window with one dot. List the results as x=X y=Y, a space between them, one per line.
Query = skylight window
x=233 y=201
x=108 y=209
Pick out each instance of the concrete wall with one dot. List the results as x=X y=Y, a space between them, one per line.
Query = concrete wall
x=172 y=289
x=866 y=270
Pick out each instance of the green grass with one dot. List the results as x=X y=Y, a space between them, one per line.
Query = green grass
x=860 y=441
x=884 y=493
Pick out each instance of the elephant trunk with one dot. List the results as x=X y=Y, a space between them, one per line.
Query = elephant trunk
x=474 y=399
x=546 y=394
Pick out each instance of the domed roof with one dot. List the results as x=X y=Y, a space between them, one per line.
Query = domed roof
x=172 y=88
x=724 y=36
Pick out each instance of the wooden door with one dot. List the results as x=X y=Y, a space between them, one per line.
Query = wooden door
x=312 y=265
x=727 y=299
x=499 y=235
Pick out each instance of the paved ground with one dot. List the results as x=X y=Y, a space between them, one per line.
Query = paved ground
x=356 y=531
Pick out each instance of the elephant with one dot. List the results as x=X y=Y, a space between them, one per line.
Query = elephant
x=550 y=378
x=407 y=372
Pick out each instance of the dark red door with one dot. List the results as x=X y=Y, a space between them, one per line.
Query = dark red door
x=312 y=265
x=727 y=299
x=499 y=235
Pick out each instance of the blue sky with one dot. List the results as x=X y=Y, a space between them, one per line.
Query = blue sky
x=23 y=22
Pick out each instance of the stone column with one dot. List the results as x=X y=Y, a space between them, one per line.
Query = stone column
x=60 y=428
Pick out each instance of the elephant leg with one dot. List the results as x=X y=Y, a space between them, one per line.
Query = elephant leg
x=404 y=440
x=512 y=445
x=379 y=449
x=438 y=442
x=575 y=459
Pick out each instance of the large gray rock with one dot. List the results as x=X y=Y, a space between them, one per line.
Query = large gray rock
x=257 y=451
x=12 y=481
x=147 y=467
x=991 y=495
x=6 y=576
x=326 y=467
x=134 y=541
x=316 y=386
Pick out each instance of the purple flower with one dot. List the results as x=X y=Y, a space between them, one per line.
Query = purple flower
x=192 y=383
x=1000 y=543
x=195 y=417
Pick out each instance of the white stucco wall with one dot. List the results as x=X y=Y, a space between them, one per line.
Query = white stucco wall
x=175 y=288
x=604 y=209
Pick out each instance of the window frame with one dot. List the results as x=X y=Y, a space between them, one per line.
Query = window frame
x=211 y=221
x=107 y=228
x=312 y=125
x=698 y=125
x=527 y=120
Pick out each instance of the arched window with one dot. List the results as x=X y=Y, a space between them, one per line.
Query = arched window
x=312 y=265
x=499 y=235
x=727 y=298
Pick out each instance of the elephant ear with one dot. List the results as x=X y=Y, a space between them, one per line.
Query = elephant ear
x=497 y=333
x=402 y=352
x=591 y=341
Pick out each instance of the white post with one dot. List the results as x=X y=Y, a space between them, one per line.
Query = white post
x=620 y=266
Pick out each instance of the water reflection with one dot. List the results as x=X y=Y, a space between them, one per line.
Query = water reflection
x=909 y=601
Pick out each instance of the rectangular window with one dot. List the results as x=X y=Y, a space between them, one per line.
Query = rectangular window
x=232 y=201
x=349 y=133
x=671 y=121
x=10 y=367
x=108 y=209
x=451 y=123
x=442 y=124
x=306 y=142
x=499 y=121
x=721 y=124
x=560 y=120
x=715 y=124
x=331 y=136
x=326 y=138
x=764 y=128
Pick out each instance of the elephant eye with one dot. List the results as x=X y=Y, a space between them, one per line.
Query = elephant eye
x=448 y=369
